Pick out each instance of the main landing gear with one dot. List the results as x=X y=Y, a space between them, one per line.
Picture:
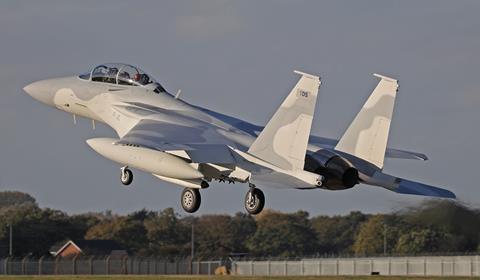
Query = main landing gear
x=191 y=200
x=254 y=200
x=126 y=177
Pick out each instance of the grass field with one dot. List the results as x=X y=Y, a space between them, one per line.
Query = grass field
x=187 y=277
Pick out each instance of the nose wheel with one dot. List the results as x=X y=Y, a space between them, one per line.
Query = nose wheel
x=126 y=177
x=254 y=201
x=191 y=200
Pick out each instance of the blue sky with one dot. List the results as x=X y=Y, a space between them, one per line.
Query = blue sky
x=237 y=57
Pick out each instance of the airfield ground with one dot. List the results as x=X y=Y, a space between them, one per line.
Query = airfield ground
x=177 y=277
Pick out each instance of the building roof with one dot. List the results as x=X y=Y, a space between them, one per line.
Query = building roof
x=89 y=247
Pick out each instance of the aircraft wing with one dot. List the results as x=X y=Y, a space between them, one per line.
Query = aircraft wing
x=328 y=143
x=201 y=142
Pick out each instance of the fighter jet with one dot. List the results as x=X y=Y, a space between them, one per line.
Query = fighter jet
x=191 y=146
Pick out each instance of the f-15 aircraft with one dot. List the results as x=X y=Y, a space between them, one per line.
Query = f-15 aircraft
x=190 y=146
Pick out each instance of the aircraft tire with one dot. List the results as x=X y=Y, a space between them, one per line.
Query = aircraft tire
x=190 y=200
x=254 y=201
x=126 y=177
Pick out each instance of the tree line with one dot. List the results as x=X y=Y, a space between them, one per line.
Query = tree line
x=436 y=226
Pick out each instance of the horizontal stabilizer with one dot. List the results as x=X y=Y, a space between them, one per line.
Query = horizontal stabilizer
x=394 y=153
x=404 y=186
x=327 y=143
x=410 y=187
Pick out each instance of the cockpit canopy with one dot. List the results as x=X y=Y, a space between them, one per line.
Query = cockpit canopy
x=122 y=74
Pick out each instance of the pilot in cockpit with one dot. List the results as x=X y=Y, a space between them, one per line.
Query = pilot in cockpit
x=111 y=75
x=122 y=74
x=124 y=78
x=142 y=79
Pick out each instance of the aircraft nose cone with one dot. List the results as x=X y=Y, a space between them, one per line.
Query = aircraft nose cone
x=41 y=91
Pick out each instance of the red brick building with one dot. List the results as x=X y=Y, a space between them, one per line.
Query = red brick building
x=73 y=248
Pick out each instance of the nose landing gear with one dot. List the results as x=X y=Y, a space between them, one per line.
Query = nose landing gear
x=254 y=200
x=126 y=177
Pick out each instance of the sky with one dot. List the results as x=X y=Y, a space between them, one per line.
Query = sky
x=238 y=57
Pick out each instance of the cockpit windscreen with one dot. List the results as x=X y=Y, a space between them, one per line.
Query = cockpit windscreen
x=122 y=74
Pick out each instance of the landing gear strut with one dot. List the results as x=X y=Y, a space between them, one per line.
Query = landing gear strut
x=191 y=200
x=126 y=177
x=254 y=200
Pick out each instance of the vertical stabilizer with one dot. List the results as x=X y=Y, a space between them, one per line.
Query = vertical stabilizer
x=367 y=135
x=283 y=142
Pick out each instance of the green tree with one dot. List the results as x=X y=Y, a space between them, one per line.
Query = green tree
x=422 y=240
x=122 y=229
x=460 y=222
x=35 y=230
x=86 y=221
x=336 y=234
x=221 y=235
x=105 y=229
x=244 y=227
x=215 y=236
x=370 y=237
x=167 y=234
x=369 y=240
x=132 y=233
x=285 y=235
x=14 y=198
